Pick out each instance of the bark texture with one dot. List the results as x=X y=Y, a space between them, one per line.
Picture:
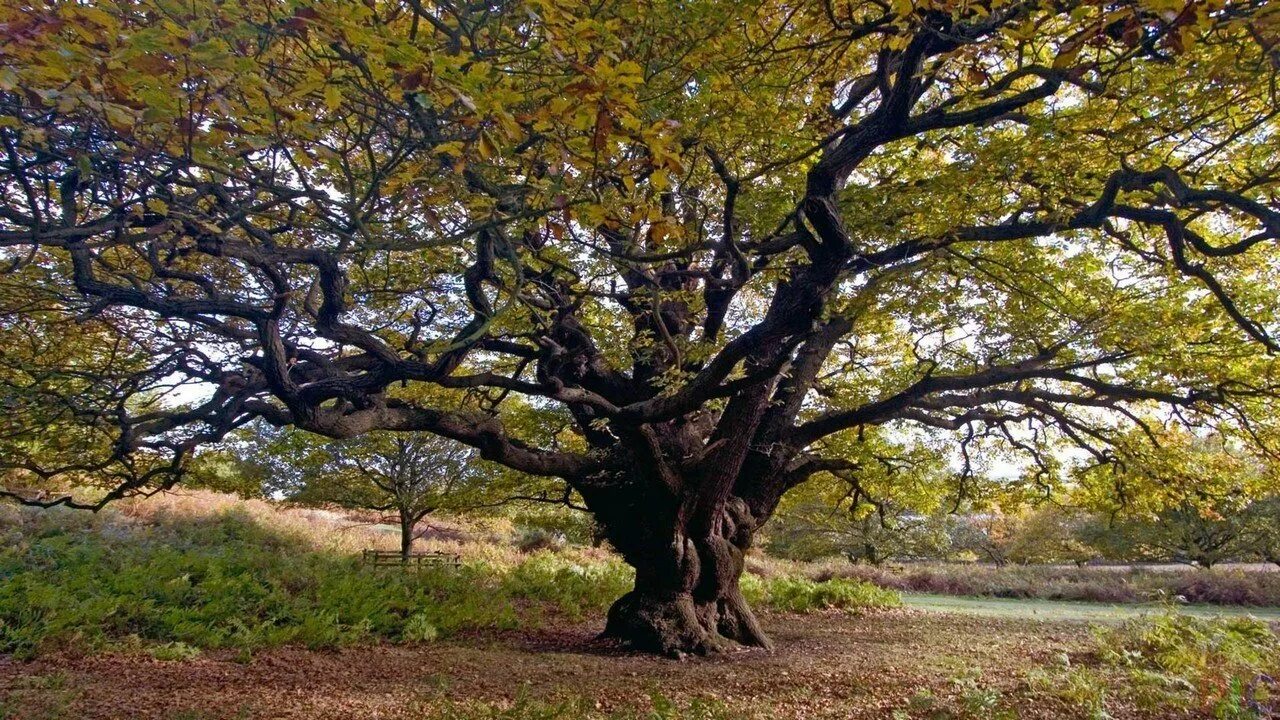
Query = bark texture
x=687 y=598
x=406 y=536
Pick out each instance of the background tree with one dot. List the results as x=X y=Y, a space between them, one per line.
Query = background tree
x=889 y=503
x=987 y=535
x=1182 y=497
x=1262 y=531
x=1189 y=534
x=869 y=533
x=409 y=476
x=718 y=240
x=227 y=470
x=1053 y=534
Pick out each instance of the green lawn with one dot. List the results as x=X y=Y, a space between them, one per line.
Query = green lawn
x=1069 y=610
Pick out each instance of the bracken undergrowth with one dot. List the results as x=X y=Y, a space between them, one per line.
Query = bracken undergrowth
x=178 y=581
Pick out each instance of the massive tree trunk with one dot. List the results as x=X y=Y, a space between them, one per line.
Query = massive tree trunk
x=687 y=598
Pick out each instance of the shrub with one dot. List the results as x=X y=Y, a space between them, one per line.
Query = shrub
x=419 y=629
x=174 y=651
x=572 y=526
x=1227 y=587
x=571 y=588
x=1221 y=664
x=800 y=595
x=1084 y=689
x=533 y=540
x=1172 y=663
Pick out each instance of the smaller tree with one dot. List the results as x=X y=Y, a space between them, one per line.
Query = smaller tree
x=891 y=533
x=1111 y=539
x=1185 y=498
x=869 y=533
x=1262 y=529
x=1052 y=534
x=410 y=475
x=225 y=470
x=1189 y=534
x=987 y=535
x=887 y=499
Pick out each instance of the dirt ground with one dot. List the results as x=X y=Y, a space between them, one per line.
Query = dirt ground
x=899 y=664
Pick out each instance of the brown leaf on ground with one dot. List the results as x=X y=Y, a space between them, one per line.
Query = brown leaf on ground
x=827 y=666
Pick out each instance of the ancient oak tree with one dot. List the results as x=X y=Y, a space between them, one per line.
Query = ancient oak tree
x=713 y=246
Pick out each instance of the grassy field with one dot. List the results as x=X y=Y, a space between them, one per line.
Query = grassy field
x=1060 y=610
x=198 y=607
x=1234 y=585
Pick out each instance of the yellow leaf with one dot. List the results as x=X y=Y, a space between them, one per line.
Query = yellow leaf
x=660 y=180
x=119 y=116
x=453 y=147
x=99 y=17
x=332 y=97
x=486 y=146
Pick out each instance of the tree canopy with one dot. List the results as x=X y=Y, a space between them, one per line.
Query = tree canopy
x=712 y=244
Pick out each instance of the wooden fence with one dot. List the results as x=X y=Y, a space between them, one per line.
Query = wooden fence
x=416 y=561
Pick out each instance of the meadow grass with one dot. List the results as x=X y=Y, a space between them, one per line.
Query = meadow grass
x=1219 y=586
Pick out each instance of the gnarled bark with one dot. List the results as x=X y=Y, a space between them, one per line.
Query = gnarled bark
x=687 y=598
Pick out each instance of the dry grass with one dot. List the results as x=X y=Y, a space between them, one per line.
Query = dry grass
x=482 y=539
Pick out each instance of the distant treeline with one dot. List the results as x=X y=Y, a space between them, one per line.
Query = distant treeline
x=1048 y=534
